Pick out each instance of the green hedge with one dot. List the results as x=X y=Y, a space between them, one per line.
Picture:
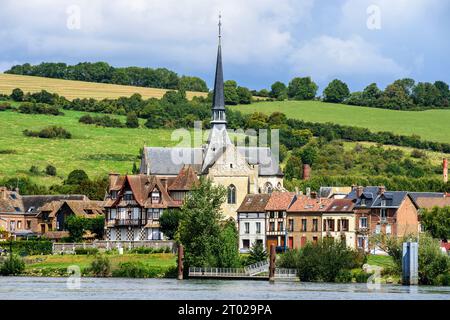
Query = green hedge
x=30 y=247
x=141 y=270
x=88 y=251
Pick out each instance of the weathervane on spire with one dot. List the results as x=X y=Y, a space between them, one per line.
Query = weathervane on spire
x=220 y=26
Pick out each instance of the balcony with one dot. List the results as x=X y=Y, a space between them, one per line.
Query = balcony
x=127 y=222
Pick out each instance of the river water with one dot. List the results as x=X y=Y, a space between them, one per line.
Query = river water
x=36 y=288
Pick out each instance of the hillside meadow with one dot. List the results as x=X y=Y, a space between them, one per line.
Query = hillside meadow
x=433 y=125
x=79 y=89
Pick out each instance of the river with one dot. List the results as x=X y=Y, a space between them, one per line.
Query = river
x=197 y=289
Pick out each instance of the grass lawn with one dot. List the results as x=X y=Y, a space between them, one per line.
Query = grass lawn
x=97 y=150
x=431 y=125
x=84 y=261
x=381 y=261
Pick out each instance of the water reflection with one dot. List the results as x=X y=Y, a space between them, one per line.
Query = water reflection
x=101 y=288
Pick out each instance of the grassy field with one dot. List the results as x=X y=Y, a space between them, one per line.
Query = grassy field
x=381 y=261
x=164 y=260
x=431 y=125
x=79 y=89
x=97 y=150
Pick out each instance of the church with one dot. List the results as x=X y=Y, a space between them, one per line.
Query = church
x=241 y=170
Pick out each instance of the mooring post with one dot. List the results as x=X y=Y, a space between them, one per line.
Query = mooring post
x=180 y=261
x=410 y=263
x=272 y=260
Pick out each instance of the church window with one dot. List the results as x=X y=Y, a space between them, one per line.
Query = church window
x=268 y=187
x=231 y=194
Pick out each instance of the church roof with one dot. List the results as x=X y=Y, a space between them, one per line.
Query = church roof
x=219 y=97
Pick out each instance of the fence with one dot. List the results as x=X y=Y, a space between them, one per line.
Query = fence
x=280 y=273
x=113 y=244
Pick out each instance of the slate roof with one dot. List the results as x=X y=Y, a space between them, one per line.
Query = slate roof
x=304 y=203
x=373 y=198
x=254 y=203
x=262 y=156
x=280 y=201
x=10 y=202
x=33 y=203
x=84 y=208
x=219 y=97
x=328 y=192
x=169 y=161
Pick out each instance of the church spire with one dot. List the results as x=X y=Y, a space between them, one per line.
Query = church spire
x=218 y=98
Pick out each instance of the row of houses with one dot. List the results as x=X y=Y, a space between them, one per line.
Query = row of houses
x=292 y=219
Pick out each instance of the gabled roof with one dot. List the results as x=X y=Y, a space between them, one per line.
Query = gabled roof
x=10 y=202
x=33 y=203
x=430 y=202
x=254 y=203
x=304 y=203
x=185 y=180
x=280 y=201
x=328 y=192
x=84 y=208
x=392 y=199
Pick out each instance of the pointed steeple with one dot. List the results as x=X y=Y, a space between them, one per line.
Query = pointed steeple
x=218 y=105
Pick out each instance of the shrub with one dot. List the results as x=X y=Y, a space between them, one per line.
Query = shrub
x=32 y=247
x=34 y=170
x=132 y=120
x=39 y=108
x=138 y=270
x=52 y=132
x=86 y=251
x=442 y=280
x=5 y=106
x=12 y=266
x=343 y=276
x=360 y=276
x=17 y=94
x=101 y=266
x=50 y=170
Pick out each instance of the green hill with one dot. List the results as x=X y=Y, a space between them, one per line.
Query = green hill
x=433 y=125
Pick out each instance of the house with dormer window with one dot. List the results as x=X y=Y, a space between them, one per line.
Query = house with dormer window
x=379 y=211
x=135 y=203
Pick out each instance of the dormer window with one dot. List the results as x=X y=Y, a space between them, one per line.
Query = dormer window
x=383 y=203
x=363 y=202
x=156 y=196
x=128 y=196
x=114 y=194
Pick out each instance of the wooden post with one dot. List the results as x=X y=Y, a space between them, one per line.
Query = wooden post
x=180 y=262
x=272 y=259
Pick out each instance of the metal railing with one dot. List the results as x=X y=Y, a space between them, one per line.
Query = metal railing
x=210 y=272
x=262 y=266
x=283 y=273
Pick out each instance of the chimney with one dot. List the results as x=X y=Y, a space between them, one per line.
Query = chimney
x=359 y=191
x=313 y=195
x=381 y=189
x=3 y=193
x=445 y=169
x=296 y=191
x=306 y=172
x=354 y=186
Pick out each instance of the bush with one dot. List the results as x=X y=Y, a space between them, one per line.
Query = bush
x=50 y=170
x=52 y=132
x=103 y=121
x=32 y=247
x=101 y=266
x=343 y=276
x=17 y=95
x=132 y=120
x=360 y=276
x=39 y=108
x=86 y=251
x=442 y=280
x=138 y=270
x=14 y=265
x=5 y=106
x=34 y=170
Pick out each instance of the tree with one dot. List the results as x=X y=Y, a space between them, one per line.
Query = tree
x=169 y=222
x=444 y=93
x=437 y=222
x=228 y=244
x=96 y=225
x=132 y=120
x=230 y=92
x=293 y=168
x=17 y=95
x=308 y=154
x=50 y=170
x=199 y=230
x=277 y=119
x=396 y=96
x=336 y=91
x=257 y=253
x=425 y=94
x=278 y=91
x=192 y=84
x=257 y=120
x=77 y=177
x=302 y=89
x=371 y=94
x=245 y=95
x=76 y=226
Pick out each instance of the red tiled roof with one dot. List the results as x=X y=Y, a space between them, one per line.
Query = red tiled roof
x=280 y=201
x=429 y=203
x=307 y=204
x=185 y=180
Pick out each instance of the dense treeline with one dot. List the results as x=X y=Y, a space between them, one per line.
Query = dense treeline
x=102 y=72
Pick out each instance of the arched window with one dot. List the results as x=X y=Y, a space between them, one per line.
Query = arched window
x=231 y=194
x=268 y=187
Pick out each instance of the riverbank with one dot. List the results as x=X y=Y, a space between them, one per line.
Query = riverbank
x=156 y=264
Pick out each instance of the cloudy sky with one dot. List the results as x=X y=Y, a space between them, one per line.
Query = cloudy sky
x=358 y=41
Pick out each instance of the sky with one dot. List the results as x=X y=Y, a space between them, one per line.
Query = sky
x=263 y=41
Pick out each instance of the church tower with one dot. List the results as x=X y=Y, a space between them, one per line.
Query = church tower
x=218 y=138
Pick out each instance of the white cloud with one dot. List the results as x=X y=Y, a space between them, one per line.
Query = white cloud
x=325 y=57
